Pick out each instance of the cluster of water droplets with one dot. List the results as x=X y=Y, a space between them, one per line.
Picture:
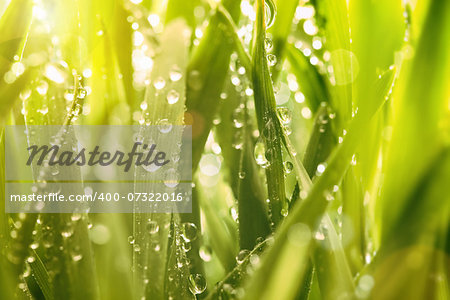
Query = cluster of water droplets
x=161 y=87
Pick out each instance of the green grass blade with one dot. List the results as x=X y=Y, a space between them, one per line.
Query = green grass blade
x=281 y=29
x=206 y=75
x=42 y=278
x=153 y=265
x=268 y=123
x=253 y=219
x=423 y=139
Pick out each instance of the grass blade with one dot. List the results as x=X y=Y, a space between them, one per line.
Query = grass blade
x=268 y=123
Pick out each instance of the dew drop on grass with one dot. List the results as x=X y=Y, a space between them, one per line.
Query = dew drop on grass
x=152 y=227
x=284 y=114
x=31 y=259
x=205 y=253
x=143 y=105
x=154 y=245
x=242 y=255
x=271 y=11
x=131 y=240
x=187 y=246
x=260 y=154
x=288 y=167
x=42 y=88
x=25 y=94
x=320 y=169
x=66 y=233
x=268 y=44
x=43 y=110
x=175 y=74
x=77 y=256
x=136 y=248
x=82 y=93
x=164 y=125
x=234 y=214
x=188 y=231
x=197 y=284
x=238 y=117
x=242 y=175
x=159 y=83
x=172 y=97
x=272 y=60
x=171 y=178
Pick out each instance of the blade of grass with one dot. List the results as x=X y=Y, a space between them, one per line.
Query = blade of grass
x=253 y=220
x=268 y=123
x=280 y=31
x=423 y=139
x=337 y=33
x=41 y=275
x=14 y=28
x=150 y=265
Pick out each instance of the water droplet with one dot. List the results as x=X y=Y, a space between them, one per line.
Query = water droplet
x=320 y=169
x=205 y=253
x=172 y=97
x=272 y=60
x=143 y=105
x=77 y=257
x=164 y=126
x=67 y=232
x=238 y=117
x=187 y=246
x=31 y=259
x=75 y=217
x=25 y=94
x=260 y=153
x=175 y=74
x=235 y=80
x=189 y=231
x=131 y=240
x=171 y=178
x=42 y=88
x=241 y=174
x=136 y=248
x=197 y=284
x=242 y=255
x=43 y=110
x=271 y=11
x=234 y=213
x=284 y=114
x=152 y=227
x=268 y=44
x=288 y=167
x=159 y=83
x=254 y=259
x=154 y=245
